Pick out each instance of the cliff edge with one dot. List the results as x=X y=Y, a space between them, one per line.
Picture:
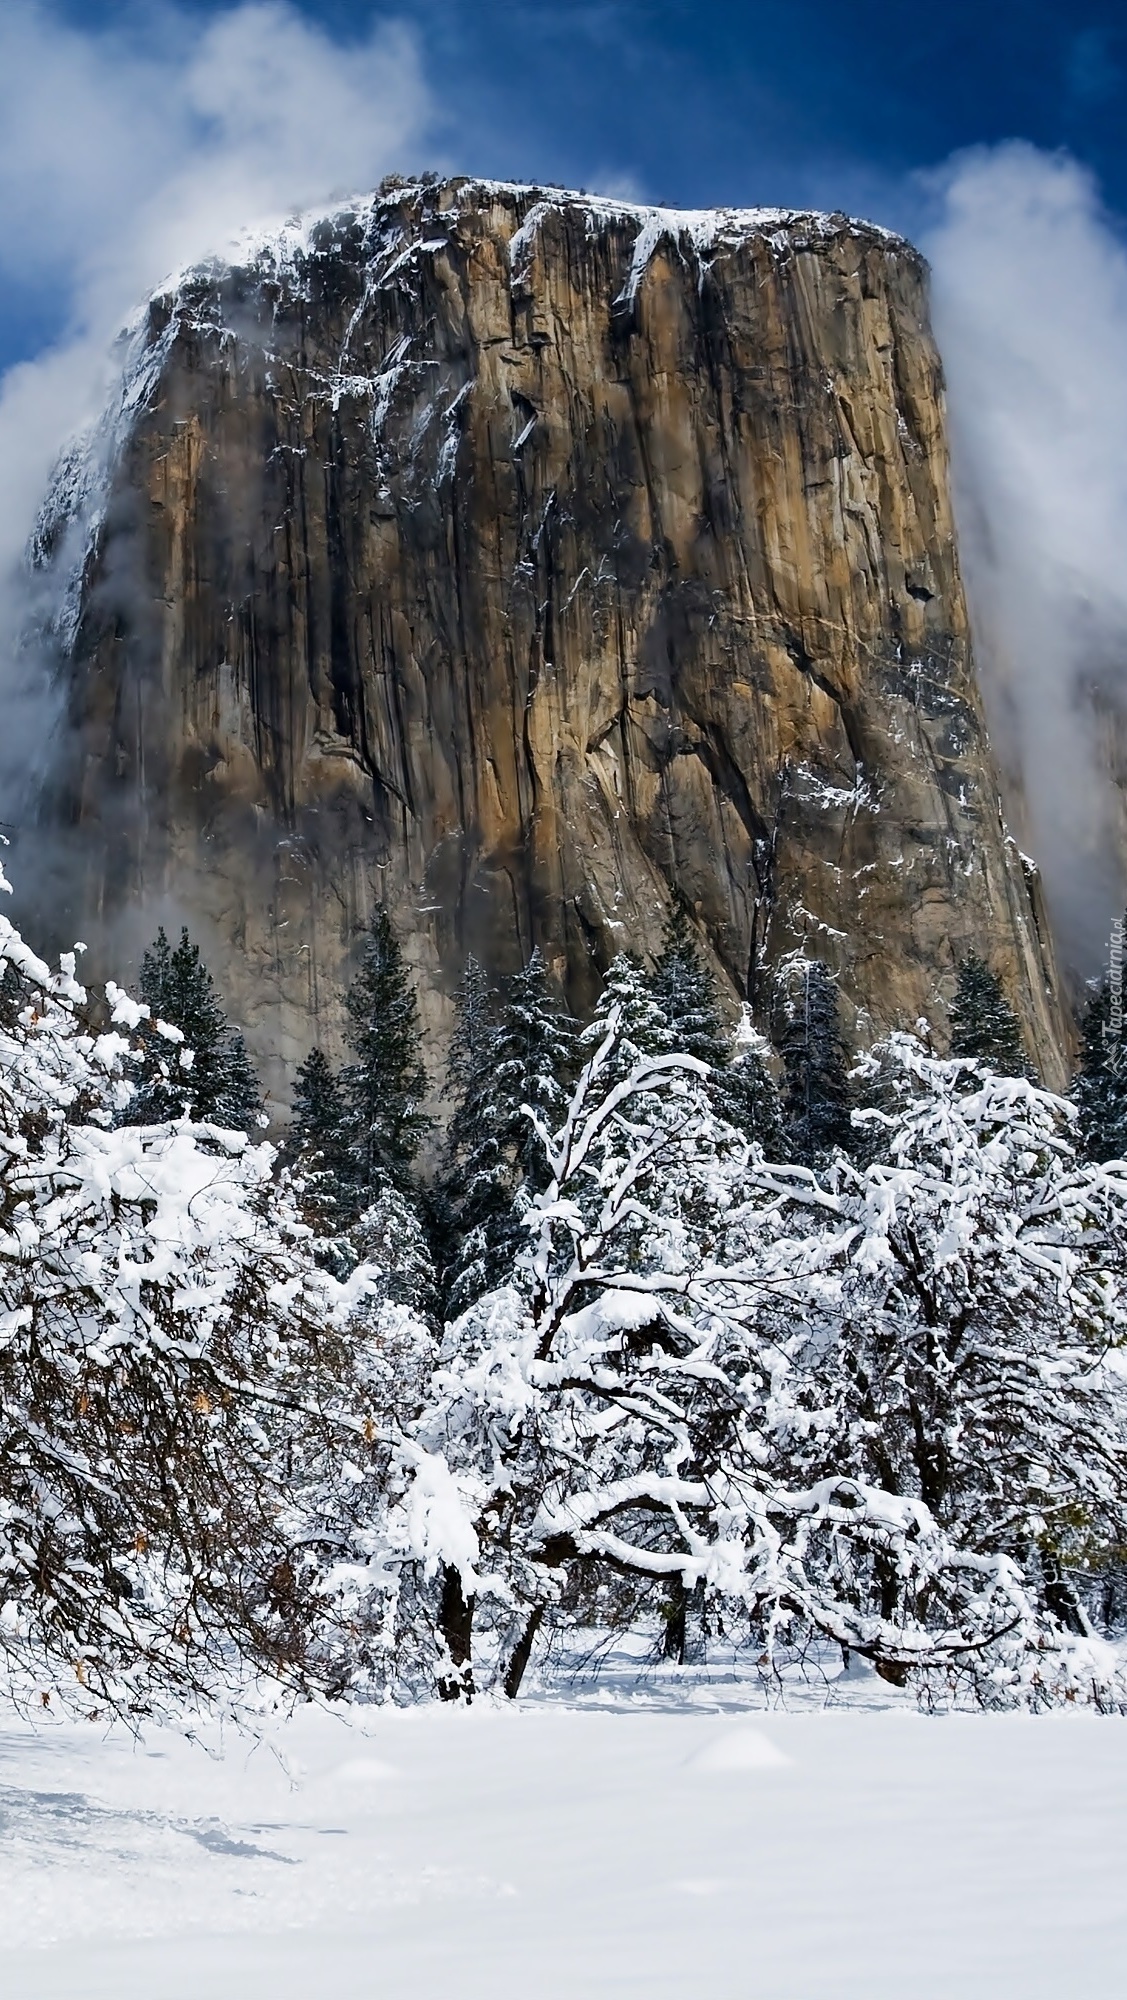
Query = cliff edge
x=522 y=558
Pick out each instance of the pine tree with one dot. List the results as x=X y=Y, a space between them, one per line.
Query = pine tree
x=12 y=995
x=1100 y=1090
x=816 y=1098
x=386 y=1084
x=643 y=1024
x=983 y=1024
x=741 y=1089
x=685 y=990
x=391 y=1234
x=744 y=1093
x=210 y=1071
x=536 y=1059
x=470 y=1185
x=318 y=1147
x=503 y=1059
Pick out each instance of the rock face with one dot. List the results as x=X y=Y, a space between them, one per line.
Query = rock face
x=521 y=559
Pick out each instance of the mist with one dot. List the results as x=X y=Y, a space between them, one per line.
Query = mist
x=1030 y=309
x=123 y=157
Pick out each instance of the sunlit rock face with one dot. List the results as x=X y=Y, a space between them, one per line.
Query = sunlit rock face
x=521 y=559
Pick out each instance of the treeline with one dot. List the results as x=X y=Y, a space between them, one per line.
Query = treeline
x=355 y=1134
x=727 y=1339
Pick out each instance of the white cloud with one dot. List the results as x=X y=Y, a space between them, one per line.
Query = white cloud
x=1030 y=304
x=125 y=154
x=118 y=150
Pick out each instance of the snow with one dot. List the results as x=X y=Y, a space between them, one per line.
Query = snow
x=656 y=1839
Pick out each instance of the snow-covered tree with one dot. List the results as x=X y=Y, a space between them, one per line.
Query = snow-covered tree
x=208 y=1072
x=473 y=1192
x=983 y=1024
x=499 y=1465
x=511 y=1055
x=386 y=1084
x=354 y=1225
x=874 y=1408
x=642 y=1028
x=317 y=1147
x=1100 y=1090
x=984 y=1301
x=196 y=1421
x=742 y=1088
x=391 y=1239
x=685 y=991
x=744 y=1093
x=807 y=1033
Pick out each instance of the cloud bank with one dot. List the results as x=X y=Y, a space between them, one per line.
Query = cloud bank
x=126 y=155
x=1030 y=307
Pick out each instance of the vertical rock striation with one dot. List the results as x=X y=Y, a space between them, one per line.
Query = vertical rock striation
x=522 y=558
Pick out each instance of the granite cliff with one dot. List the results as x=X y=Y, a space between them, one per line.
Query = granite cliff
x=521 y=558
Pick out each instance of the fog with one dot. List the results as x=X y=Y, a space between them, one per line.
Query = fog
x=1030 y=306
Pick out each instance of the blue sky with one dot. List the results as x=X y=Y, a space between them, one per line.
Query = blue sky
x=746 y=100
x=837 y=103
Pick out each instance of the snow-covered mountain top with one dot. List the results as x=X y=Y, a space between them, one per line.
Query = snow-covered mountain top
x=430 y=206
x=383 y=236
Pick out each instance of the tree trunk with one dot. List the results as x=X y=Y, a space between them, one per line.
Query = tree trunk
x=1062 y=1600
x=455 y=1617
x=676 y=1622
x=895 y=1672
x=522 y=1652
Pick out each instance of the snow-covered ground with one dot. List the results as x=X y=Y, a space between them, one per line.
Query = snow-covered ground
x=668 y=1839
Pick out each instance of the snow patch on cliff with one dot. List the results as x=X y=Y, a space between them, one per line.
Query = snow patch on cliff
x=70 y=520
x=388 y=234
x=700 y=233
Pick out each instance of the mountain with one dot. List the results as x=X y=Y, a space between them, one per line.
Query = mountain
x=523 y=558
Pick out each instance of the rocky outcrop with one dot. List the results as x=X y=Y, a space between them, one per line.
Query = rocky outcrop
x=522 y=559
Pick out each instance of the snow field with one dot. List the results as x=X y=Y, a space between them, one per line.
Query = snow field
x=562 y=1851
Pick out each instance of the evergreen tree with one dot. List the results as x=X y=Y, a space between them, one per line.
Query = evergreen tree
x=744 y=1093
x=12 y=997
x=1100 y=1090
x=643 y=1024
x=816 y=1098
x=385 y=1085
x=685 y=990
x=503 y=1058
x=318 y=1147
x=473 y=1048
x=983 y=1024
x=741 y=1089
x=210 y=1071
x=392 y=1235
x=536 y=1061
x=470 y=1184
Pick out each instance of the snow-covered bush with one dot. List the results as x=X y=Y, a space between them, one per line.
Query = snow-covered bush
x=193 y=1416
